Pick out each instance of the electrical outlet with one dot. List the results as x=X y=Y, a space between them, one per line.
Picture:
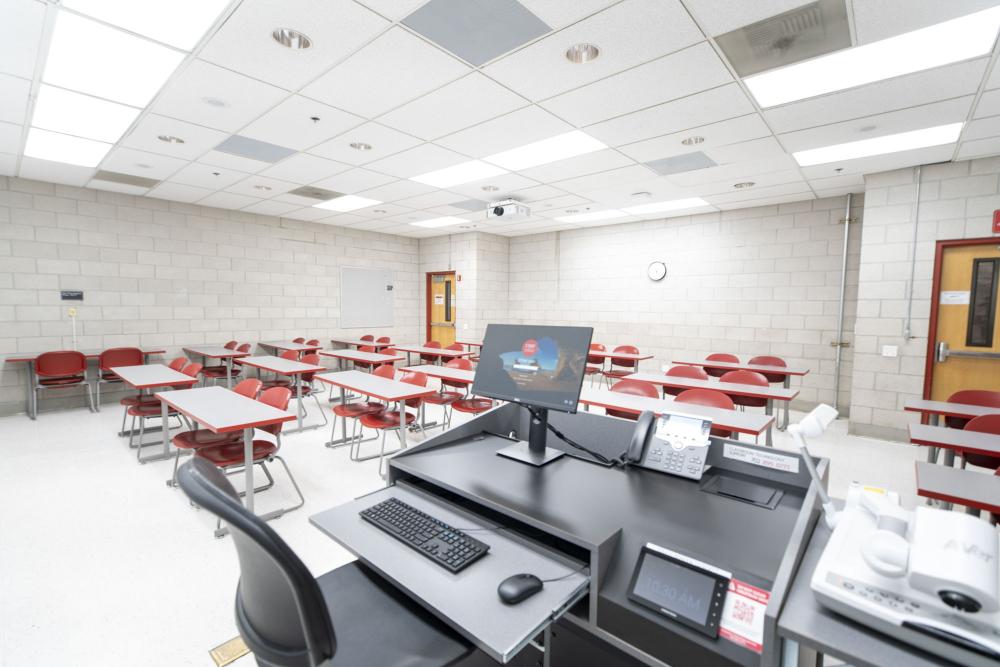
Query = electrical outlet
x=71 y=312
x=890 y=351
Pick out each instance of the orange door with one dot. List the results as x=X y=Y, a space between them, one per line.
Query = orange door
x=441 y=308
x=967 y=335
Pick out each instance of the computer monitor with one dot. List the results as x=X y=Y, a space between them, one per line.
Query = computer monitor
x=540 y=367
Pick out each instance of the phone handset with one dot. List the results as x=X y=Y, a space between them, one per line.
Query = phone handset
x=640 y=436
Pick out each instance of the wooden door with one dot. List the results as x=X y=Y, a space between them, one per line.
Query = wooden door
x=441 y=300
x=965 y=319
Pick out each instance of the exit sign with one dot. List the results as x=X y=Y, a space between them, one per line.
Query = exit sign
x=996 y=221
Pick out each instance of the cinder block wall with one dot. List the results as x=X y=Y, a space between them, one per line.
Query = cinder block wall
x=957 y=201
x=167 y=274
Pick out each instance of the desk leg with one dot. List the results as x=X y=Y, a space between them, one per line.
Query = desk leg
x=229 y=372
x=248 y=465
x=932 y=452
x=402 y=424
x=32 y=394
x=769 y=411
x=787 y=384
x=298 y=399
x=165 y=428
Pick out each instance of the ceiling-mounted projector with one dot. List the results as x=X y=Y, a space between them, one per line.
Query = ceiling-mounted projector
x=508 y=209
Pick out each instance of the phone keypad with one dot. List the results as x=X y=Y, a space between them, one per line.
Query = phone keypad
x=687 y=462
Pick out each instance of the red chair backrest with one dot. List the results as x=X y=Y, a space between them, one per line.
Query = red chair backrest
x=290 y=354
x=690 y=372
x=625 y=363
x=417 y=378
x=245 y=347
x=432 y=343
x=458 y=347
x=386 y=371
x=633 y=388
x=276 y=397
x=720 y=356
x=768 y=360
x=178 y=363
x=431 y=357
x=299 y=340
x=231 y=345
x=312 y=341
x=366 y=348
x=985 y=424
x=249 y=387
x=310 y=359
x=596 y=347
x=192 y=369
x=707 y=397
x=120 y=356
x=983 y=397
x=384 y=339
x=463 y=364
x=745 y=377
x=61 y=363
x=368 y=337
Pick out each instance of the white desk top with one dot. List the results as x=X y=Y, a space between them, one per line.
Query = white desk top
x=358 y=355
x=470 y=343
x=280 y=366
x=976 y=442
x=357 y=342
x=732 y=388
x=441 y=352
x=222 y=410
x=628 y=356
x=375 y=386
x=148 y=376
x=739 y=366
x=948 y=409
x=752 y=423
x=444 y=372
x=289 y=345
x=215 y=352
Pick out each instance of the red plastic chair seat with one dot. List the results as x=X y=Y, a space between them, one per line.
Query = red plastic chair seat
x=204 y=438
x=590 y=370
x=443 y=398
x=108 y=376
x=218 y=371
x=385 y=419
x=269 y=384
x=355 y=410
x=473 y=405
x=149 y=410
x=61 y=381
x=231 y=454
x=139 y=400
x=618 y=373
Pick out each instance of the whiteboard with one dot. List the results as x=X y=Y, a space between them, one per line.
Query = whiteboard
x=366 y=297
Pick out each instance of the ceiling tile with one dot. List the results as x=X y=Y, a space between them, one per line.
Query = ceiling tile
x=291 y=123
x=770 y=200
x=904 y=120
x=979 y=148
x=394 y=10
x=418 y=160
x=248 y=187
x=628 y=34
x=207 y=176
x=744 y=151
x=381 y=211
x=620 y=196
x=197 y=139
x=758 y=192
x=354 y=181
x=933 y=85
x=243 y=98
x=178 y=192
x=870 y=165
x=391 y=192
x=470 y=100
x=20 y=36
x=989 y=104
x=605 y=179
x=580 y=165
x=560 y=204
x=538 y=193
x=111 y=186
x=54 y=172
x=735 y=172
x=230 y=161
x=10 y=138
x=559 y=14
x=517 y=128
x=689 y=71
x=13 y=98
x=432 y=199
x=744 y=128
x=228 y=200
x=507 y=183
x=383 y=140
x=762 y=176
x=854 y=181
x=721 y=16
x=878 y=20
x=304 y=168
x=270 y=207
x=688 y=112
x=979 y=129
x=336 y=28
x=309 y=213
x=128 y=161
x=393 y=69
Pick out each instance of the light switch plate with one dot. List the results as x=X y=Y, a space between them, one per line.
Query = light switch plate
x=890 y=351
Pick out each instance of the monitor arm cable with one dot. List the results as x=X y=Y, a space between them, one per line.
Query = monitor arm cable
x=617 y=461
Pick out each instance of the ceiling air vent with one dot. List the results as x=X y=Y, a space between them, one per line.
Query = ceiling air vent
x=319 y=194
x=806 y=32
x=125 y=179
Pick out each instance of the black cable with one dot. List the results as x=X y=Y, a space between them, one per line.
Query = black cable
x=567 y=576
x=559 y=434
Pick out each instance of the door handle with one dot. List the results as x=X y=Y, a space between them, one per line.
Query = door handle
x=943 y=352
x=443 y=324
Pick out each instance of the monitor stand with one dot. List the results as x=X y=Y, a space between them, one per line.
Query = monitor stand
x=534 y=451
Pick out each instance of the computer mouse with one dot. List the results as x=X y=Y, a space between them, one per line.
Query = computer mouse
x=518 y=588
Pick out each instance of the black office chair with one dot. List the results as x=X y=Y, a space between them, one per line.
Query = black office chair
x=287 y=618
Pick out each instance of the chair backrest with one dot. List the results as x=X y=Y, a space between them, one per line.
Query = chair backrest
x=633 y=388
x=625 y=363
x=60 y=364
x=120 y=356
x=312 y=341
x=368 y=337
x=415 y=377
x=231 y=345
x=985 y=424
x=457 y=347
x=720 y=356
x=299 y=340
x=745 y=377
x=249 y=387
x=431 y=357
x=768 y=360
x=313 y=359
x=596 y=347
x=384 y=339
x=290 y=354
x=690 y=372
x=707 y=397
x=387 y=371
x=983 y=397
x=276 y=397
x=280 y=610
x=192 y=369
x=245 y=347
x=366 y=348
x=463 y=364
x=178 y=363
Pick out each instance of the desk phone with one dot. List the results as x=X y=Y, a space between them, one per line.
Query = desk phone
x=674 y=443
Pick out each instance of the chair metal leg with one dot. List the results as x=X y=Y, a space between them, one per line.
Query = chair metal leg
x=90 y=396
x=98 y=390
x=319 y=407
x=142 y=430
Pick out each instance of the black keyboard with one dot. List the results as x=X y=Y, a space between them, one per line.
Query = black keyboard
x=451 y=549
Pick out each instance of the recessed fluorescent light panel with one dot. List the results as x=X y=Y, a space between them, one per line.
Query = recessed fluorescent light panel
x=56 y=147
x=663 y=206
x=439 y=222
x=81 y=115
x=948 y=42
x=347 y=203
x=593 y=217
x=99 y=60
x=559 y=147
x=179 y=23
x=891 y=143
x=466 y=172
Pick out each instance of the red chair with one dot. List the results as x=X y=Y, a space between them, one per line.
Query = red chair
x=203 y=437
x=431 y=358
x=390 y=420
x=312 y=341
x=746 y=377
x=384 y=339
x=300 y=340
x=229 y=456
x=178 y=363
x=282 y=380
x=983 y=424
x=366 y=365
x=724 y=357
x=619 y=367
x=60 y=370
x=709 y=398
x=632 y=388
x=308 y=387
x=595 y=365
x=218 y=371
x=455 y=347
x=690 y=372
x=355 y=410
x=766 y=360
x=983 y=397
x=368 y=338
x=153 y=410
x=446 y=398
x=116 y=356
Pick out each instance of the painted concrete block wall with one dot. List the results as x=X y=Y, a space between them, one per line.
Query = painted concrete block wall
x=957 y=201
x=751 y=282
x=158 y=273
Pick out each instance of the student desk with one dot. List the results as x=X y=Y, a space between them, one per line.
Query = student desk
x=289 y=346
x=470 y=344
x=955 y=439
x=420 y=349
x=444 y=373
x=934 y=410
x=348 y=354
x=357 y=342
x=787 y=371
x=729 y=388
x=207 y=352
x=144 y=378
x=625 y=356
x=29 y=358
x=223 y=411
x=290 y=368
x=978 y=490
x=732 y=420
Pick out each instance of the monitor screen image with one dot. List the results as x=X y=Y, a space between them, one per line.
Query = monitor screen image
x=541 y=366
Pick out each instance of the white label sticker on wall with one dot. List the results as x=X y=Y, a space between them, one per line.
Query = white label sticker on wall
x=954 y=298
x=762 y=459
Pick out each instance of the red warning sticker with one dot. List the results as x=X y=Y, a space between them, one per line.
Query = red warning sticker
x=743 y=615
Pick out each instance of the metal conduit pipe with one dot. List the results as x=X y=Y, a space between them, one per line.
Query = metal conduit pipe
x=840 y=343
x=907 y=328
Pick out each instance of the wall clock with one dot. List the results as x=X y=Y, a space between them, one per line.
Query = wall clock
x=656 y=271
